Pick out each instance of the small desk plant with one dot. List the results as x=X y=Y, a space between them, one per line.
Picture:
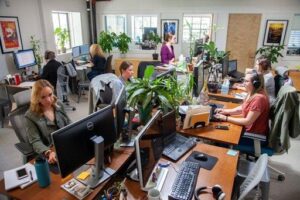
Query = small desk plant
x=36 y=46
x=107 y=40
x=155 y=40
x=122 y=42
x=62 y=38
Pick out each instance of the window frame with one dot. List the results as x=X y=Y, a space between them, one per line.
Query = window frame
x=133 y=29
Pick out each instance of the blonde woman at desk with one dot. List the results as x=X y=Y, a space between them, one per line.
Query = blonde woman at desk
x=167 y=50
x=98 y=60
x=126 y=70
x=44 y=116
x=254 y=110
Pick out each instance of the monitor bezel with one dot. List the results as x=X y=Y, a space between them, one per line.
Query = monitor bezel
x=18 y=66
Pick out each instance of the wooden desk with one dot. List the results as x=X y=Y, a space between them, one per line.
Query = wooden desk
x=223 y=174
x=230 y=97
x=53 y=191
x=295 y=76
x=231 y=136
x=135 y=62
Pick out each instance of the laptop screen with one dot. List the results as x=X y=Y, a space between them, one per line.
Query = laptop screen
x=169 y=123
x=232 y=66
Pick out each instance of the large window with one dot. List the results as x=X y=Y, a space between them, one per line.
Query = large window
x=142 y=24
x=200 y=25
x=115 y=23
x=294 y=40
x=70 y=21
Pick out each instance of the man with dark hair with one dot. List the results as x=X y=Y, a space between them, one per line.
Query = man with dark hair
x=50 y=69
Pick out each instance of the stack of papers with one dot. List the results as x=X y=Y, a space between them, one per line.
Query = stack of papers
x=11 y=180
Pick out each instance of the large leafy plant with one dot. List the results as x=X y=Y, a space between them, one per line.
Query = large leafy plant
x=35 y=44
x=62 y=38
x=271 y=52
x=107 y=40
x=123 y=41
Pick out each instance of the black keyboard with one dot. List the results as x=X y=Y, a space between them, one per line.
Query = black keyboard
x=185 y=182
x=177 y=149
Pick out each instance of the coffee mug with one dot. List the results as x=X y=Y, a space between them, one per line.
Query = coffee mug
x=153 y=194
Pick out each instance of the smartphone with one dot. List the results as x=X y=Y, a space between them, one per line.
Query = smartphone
x=222 y=127
x=22 y=173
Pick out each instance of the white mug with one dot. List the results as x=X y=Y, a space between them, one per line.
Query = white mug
x=153 y=194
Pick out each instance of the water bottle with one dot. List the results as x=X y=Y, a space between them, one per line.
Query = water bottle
x=42 y=171
x=225 y=87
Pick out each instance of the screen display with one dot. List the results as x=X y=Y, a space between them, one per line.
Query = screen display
x=232 y=66
x=75 y=52
x=84 y=49
x=169 y=123
x=24 y=59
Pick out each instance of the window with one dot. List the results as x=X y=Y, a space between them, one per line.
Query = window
x=294 y=40
x=71 y=21
x=201 y=24
x=142 y=23
x=115 y=23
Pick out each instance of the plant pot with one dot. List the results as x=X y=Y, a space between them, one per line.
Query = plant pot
x=63 y=50
x=155 y=56
x=190 y=67
x=213 y=87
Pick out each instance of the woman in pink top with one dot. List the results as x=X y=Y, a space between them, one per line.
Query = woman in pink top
x=167 y=49
x=254 y=110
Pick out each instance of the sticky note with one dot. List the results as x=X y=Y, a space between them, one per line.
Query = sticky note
x=232 y=152
x=83 y=175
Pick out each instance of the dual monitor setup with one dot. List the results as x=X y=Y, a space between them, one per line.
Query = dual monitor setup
x=81 y=51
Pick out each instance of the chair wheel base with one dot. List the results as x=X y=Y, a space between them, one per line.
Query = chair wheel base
x=281 y=177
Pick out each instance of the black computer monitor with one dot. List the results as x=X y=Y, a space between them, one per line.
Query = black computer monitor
x=232 y=66
x=76 y=52
x=149 y=147
x=225 y=65
x=120 y=105
x=167 y=74
x=84 y=49
x=24 y=58
x=73 y=144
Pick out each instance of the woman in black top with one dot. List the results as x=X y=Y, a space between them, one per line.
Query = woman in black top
x=98 y=60
x=50 y=69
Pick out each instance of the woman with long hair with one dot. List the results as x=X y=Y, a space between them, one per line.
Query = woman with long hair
x=44 y=116
x=98 y=60
x=126 y=70
x=167 y=49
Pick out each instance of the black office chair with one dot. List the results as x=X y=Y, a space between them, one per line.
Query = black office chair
x=143 y=66
x=17 y=119
x=5 y=104
x=108 y=66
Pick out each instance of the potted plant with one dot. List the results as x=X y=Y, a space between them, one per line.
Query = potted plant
x=155 y=40
x=107 y=40
x=35 y=44
x=62 y=38
x=271 y=52
x=123 y=41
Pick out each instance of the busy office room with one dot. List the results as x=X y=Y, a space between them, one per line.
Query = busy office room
x=129 y=99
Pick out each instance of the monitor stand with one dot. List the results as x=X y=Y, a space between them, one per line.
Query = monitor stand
x=98 y=173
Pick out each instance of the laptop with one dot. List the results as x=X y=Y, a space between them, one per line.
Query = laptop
x=175 y=144
x=214 y=106
x=232 y=70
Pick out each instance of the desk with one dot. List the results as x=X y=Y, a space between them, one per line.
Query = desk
x=230 y=97
x=231 y=136
x=26 y=84
x=223 y=174
x=55 y=192
x=295 y=76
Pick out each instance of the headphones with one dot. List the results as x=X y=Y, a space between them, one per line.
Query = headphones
x=217 y=191
x=256 y=80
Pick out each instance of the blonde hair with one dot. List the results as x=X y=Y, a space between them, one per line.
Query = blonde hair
x=38 y=86
x=95 y=49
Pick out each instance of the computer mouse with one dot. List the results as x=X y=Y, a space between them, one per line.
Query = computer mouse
x=200 y=157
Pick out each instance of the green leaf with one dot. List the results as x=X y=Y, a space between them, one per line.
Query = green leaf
x=148 y=72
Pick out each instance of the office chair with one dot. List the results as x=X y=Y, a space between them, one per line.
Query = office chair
x=108 y=66
x=284 y=118
x=143 y=66
x=62 y=87
x=5 y=104
x=17 y=119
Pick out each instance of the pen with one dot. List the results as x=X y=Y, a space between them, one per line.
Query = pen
x=31 y=177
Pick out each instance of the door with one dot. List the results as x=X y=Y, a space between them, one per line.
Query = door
x=242 y=36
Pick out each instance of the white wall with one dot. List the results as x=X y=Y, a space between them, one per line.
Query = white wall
x=35 y=19
x=174 y=9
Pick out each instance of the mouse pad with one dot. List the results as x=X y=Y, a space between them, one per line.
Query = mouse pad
x=209 y=164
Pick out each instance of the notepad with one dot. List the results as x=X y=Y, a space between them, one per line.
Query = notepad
x=83 y=175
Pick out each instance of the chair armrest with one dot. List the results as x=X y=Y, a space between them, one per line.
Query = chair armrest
x=24 y=148
x=257 y=138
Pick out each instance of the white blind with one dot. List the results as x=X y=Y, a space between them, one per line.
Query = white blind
x=294 y=41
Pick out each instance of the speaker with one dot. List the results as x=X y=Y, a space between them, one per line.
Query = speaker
x=217 y=191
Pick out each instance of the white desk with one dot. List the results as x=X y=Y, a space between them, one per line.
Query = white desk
x=26 y=84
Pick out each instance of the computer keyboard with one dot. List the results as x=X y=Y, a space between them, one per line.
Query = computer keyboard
x=185 y=182
x=177 y=149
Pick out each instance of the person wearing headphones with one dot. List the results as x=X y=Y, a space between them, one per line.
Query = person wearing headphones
x=50 y=69
x=167 y=49
x=254 y=110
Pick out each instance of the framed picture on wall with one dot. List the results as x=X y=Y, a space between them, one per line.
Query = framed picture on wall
x=10 y=34
x=169 y=26
x=275 y=32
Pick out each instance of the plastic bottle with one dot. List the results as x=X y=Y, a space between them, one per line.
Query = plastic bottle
x=225 y=87
x=42 y=171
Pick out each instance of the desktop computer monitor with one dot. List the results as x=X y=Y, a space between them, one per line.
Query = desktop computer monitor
x=73 y=143
x=24 y=58
x=167 y=74
x=149 y=147
x=75 y=52
x=84 y=49
x=120 y=105
x=225 y=64
x=232 y=66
